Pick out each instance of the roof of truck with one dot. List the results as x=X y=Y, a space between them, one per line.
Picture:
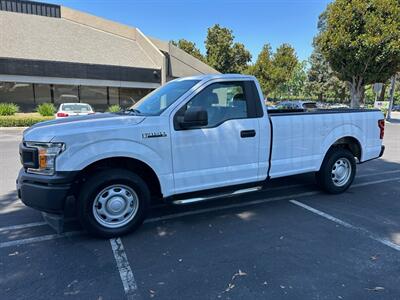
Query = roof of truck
x=217 y=76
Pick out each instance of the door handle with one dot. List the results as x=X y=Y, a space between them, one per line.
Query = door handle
x=247 y=133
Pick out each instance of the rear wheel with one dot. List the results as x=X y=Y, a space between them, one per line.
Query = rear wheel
x=337 y=171
x=113 y=202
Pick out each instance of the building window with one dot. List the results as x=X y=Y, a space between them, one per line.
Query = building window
x=42 y=93
x=66 y=94
x=113 y=94
x=18 y=93
x=28 y=95
x=95 y=96
x=128 y=97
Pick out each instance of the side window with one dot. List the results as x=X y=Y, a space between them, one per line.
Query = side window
x=222 y=101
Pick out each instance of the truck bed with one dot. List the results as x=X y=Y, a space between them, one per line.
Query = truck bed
x=300 y=138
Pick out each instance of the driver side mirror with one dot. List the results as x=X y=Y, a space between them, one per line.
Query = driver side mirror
x=194 y=117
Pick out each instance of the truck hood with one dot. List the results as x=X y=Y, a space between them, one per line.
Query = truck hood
x=47 y=131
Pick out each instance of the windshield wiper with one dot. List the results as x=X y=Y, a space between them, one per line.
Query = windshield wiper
x=131 y=110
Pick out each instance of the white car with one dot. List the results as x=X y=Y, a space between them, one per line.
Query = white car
x=74 y=109
x=188 y=141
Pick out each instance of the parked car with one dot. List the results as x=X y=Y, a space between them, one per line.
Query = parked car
x=339 y=106
x=74 y=109
x=396 y=108
x=187 y=141
x=305 y=105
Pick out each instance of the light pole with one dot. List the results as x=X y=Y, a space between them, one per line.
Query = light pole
x=391 y=95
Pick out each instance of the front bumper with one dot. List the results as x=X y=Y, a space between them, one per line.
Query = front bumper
x=45 y=193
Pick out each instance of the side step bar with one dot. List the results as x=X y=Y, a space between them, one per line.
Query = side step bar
x=215 y=196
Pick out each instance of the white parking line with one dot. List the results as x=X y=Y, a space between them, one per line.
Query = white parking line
x=39 y=239
x=377 y=174
x=125 y=271
x=363 y=231
x=22 y=226
x=212 y=209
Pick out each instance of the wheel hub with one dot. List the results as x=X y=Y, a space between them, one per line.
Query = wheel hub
x=115 y=206
x=341 y=172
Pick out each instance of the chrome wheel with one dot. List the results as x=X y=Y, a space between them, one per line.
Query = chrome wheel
x=115 y=206
x=341 y=172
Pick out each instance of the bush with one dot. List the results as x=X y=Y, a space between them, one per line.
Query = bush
x=8 y=109
x=21 y=120
x=114 y=108
x=46 y=109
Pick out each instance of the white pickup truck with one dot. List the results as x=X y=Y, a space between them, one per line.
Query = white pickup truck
x=190 y=140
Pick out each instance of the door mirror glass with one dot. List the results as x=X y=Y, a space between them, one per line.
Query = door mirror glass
x=194 y=117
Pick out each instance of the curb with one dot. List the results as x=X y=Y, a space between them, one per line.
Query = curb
x=13 y=128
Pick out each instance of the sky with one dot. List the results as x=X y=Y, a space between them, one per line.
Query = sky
x=254 y=22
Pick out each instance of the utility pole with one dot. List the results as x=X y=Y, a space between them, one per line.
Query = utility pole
x=392 y=85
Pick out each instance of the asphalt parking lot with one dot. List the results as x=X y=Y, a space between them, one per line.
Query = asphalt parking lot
x=289 y=242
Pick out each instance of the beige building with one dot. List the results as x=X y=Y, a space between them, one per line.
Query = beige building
x=51 y=53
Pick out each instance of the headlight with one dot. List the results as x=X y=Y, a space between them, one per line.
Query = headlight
x=47 y=153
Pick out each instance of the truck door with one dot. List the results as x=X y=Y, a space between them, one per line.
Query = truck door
x=226 y=150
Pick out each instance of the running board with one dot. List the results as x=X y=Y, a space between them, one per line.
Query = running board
x=215 y=196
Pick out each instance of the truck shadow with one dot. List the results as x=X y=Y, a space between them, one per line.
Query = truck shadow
x=13 y=212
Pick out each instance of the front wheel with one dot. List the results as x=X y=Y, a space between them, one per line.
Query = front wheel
x=337 y=171
x=113 y=202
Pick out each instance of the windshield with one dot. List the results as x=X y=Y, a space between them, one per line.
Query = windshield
x=160 y=99
x=76 y=107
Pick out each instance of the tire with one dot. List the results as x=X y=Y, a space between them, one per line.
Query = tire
x=112 y=203
x=337 y=171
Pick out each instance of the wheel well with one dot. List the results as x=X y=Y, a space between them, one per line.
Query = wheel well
x=140 y=168
x=349 y=143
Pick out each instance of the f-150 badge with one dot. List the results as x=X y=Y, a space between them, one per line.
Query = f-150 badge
x=149 y=135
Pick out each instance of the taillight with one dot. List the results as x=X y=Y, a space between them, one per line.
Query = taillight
x=61 y=114
x=381 y=125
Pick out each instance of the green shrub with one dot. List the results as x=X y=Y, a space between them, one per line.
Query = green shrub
x=8 y=109
x=114 y=108
x=46 y=109
x=21 y=120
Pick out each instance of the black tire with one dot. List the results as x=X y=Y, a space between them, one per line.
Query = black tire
x=102 y=180
x=326 y=179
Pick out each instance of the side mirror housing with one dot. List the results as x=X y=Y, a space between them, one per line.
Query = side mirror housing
x=194 y=117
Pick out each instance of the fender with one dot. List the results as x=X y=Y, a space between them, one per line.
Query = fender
x=79 y=158
x=347 y=130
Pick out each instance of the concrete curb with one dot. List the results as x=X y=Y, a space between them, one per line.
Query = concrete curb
x=13 y=128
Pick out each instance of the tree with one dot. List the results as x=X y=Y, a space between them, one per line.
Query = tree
x=361 y=41
x=274 y=70
x=284 y=62
x=241 y=56
x=189 y=47
x=296 y=84
x=224 y=55
x=322 y=81
x=262 y=69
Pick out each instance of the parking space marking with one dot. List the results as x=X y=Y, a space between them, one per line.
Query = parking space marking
x=199 y=211
x=22 y=226
x=347 y=225
x=39 y=239
x=125 y=271
x=379 y=173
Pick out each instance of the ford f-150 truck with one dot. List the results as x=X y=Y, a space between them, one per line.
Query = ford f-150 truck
x=190 y=140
